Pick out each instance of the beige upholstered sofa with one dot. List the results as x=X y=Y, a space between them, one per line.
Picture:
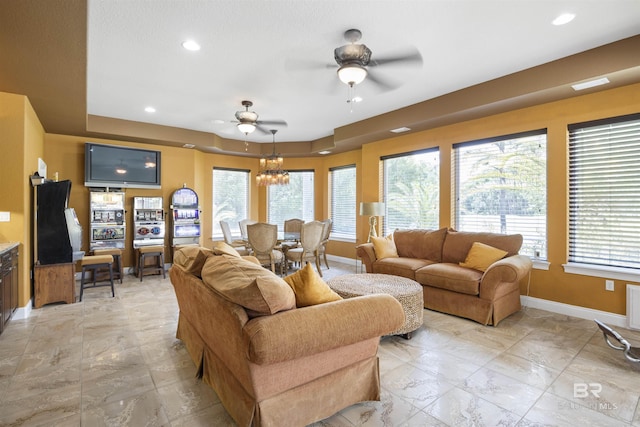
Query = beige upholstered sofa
x=273 y=364
x=433 y=257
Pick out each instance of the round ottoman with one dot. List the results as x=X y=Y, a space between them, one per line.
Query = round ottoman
x=408 y=292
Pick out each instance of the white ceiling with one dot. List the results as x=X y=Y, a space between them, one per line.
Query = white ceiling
x=275 y=53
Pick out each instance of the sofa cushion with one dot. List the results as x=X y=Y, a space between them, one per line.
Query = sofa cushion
x=405 y=267
x=309 y=287
x=247 y=284
x=451 y=277
x=422 y=244
x=223 y=248
x=384 y=247
x=192 y=258
x=458 y=243
x=481 y=256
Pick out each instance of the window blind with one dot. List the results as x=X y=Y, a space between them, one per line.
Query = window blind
x=500 y=186
x=230 y=199
x=411 y=190
x=604 y=192
x=342 y=183
x=295 y=200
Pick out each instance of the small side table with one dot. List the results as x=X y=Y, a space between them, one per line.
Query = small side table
x=54 y=283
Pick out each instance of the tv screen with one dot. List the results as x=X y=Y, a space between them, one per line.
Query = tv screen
x=121 y=167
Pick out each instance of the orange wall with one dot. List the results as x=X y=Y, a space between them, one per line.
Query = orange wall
x=65 y=154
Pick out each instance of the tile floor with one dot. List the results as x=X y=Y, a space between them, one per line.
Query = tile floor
x=116 y=362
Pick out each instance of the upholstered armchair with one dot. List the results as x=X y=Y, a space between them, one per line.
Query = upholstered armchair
x=326 y=233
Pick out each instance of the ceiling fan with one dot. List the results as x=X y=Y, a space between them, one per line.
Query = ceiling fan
x=247 y=121
x=356 y=62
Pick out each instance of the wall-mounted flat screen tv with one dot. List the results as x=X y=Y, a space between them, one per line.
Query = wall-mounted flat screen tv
x=120 y=167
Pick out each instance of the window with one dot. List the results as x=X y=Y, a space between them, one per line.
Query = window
x=230 y=199
x=411 y=190
x=295 y=200
x=604 y=197
x=342 y=187
x=500 y=186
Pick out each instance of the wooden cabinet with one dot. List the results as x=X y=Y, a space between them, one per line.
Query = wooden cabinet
x=54 y=283
x=8 y=283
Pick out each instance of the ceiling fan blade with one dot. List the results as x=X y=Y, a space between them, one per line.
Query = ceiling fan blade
x=307 y=64
x=263 y=130
x=410 y=57
x=384 y=84
x=272 y=123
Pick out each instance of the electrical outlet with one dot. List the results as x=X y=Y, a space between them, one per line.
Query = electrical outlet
x=608 y=285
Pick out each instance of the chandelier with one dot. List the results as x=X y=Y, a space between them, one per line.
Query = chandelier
x=271 y=172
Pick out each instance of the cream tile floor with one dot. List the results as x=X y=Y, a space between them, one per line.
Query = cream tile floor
x=116 y=362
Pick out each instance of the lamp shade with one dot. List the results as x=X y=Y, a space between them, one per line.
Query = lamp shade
x=372 y=208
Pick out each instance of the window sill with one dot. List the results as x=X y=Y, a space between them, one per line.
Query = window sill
x=618 y=273
x=540 y=264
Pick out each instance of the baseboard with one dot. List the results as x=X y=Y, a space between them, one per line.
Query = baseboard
x=23 y=312
x=575 y=311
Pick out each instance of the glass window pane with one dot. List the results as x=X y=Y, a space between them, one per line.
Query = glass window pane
x=412 y=191
x=500 y=187
x=603 y=192
x=230 y=199
x=295 y=200
x=342 y=182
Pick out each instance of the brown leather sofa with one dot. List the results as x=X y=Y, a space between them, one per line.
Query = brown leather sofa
x=433 y=257
x=293 y=367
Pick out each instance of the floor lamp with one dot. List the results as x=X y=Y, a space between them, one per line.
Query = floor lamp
x=373 y=210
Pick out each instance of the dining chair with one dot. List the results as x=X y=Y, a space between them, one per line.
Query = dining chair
x=243 y=227
x=310 y=238
x=263 y=240
x=326 y=233
x=228 y=236
x=293 y=225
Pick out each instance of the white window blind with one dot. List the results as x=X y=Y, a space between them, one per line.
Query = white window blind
x=604 y=192
x=230 y=199
x=295 y=200
x=411 y=190
x=342 y=183
x=500 y=186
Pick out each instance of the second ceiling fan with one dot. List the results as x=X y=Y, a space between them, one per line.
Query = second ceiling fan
x=247 y=121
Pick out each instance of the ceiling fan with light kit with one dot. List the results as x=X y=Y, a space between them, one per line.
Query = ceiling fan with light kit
x=356 y=63
x=247 y=121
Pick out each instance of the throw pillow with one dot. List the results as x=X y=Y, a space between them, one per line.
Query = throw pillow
x=481 y=256
x=384 y=247
x=223 y=248
x=247 y=284
x=192 y=258
x=309 y=287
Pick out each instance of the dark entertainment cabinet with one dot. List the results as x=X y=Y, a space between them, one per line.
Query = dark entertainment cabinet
x=8 y=283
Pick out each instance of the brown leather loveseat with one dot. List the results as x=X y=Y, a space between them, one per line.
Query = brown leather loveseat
x=433 y=257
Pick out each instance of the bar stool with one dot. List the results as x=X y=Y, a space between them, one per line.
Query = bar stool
x=117 y=261
x=155 y=252
x=93 y=263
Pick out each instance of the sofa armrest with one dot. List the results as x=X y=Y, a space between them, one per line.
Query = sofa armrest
x=310 y=330
x=508 y=270
x=367 y=254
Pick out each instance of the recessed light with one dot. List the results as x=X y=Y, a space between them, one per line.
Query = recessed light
x=188 y=146
x=565 y=18
x=191 y=45
x=150 y=109
x=324 y=152
x=400 y=130
x=590 y=83
x=218 y=121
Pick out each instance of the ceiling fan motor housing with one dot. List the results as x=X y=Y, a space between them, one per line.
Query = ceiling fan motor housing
x=352 y=53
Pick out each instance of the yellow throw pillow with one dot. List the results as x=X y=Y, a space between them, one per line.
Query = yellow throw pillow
x=481 y=256
x=309 y=287
x=222 y=248
x=384 y=247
